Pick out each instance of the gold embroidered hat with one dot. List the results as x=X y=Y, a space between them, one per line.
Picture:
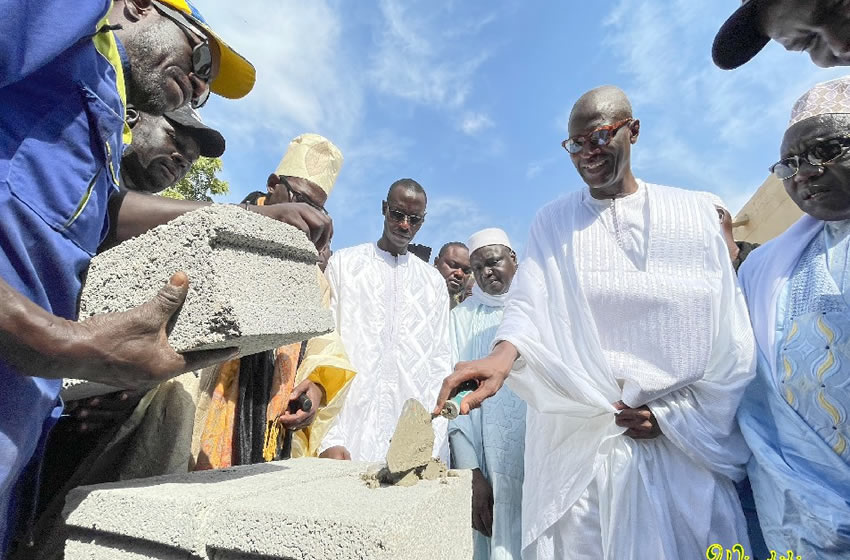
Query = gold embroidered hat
x=312 y=157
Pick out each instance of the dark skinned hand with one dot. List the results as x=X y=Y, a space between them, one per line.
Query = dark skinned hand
x=300 y=419
x=100 y=413
x=130 y=349
x=482 y=504
x=338 y=452
x=490 y=372
x=318 y=226
x=641 y=422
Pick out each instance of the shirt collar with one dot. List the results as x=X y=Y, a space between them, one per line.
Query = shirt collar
x=122 y=54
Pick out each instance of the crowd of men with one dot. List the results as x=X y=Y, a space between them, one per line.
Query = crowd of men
x=646 y=386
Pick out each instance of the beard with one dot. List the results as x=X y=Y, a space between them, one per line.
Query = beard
x=145 y=84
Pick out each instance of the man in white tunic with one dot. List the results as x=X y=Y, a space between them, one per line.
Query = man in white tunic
x=629 y=339
x=392 y=312
x=489 y=440
x=794 y=416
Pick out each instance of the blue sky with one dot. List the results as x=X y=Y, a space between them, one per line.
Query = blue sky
x=471 y=99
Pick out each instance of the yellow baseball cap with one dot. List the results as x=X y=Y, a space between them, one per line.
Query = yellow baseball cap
x=236 y=76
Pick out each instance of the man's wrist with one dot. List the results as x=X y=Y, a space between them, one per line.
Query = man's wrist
x=53 y=339
x=507 y=355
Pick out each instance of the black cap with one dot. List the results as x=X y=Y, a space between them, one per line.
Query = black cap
x=740 y=38
x=210 y=140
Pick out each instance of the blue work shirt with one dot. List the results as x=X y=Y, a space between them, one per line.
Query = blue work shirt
x=61 y=138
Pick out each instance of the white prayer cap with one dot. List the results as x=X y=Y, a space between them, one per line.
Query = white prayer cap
x=489 y=236
x=312 y=157
x=826 y=98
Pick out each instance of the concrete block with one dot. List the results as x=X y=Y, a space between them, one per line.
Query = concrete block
x=253 y=281
x=302 y=509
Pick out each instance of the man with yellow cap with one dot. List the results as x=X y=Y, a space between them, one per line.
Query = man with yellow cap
x=66 y=74
x=794 y=415
x=253 y=399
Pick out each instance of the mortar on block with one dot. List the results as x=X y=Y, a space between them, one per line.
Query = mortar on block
x=253 y=281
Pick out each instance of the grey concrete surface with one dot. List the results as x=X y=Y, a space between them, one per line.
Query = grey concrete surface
x=302 y=509
x=252 y=280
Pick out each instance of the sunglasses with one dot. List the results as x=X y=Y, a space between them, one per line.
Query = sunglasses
x=297 y=196
x=398 y=216
x=602 y=136
x=819 y=154
x=201 y=52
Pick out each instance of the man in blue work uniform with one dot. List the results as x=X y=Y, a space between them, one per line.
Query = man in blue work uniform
x=66 y=74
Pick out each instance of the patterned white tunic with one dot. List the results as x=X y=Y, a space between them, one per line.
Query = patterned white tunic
x=393 y=316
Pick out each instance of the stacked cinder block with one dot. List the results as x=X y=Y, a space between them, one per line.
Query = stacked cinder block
x=303 y=509
x=252 y=280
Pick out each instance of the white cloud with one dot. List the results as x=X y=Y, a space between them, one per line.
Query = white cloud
x=473 y=123
x=305 y=81
x=417 y=55
x=538 y=166
x=451 y=218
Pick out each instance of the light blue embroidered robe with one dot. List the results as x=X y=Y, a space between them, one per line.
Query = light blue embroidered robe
x=794 y=416
x=491 y=438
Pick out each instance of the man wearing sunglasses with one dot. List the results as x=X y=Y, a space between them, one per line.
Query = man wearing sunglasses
x=794 y=415
x=66 y=75
x=628 y=338
x=392 y=312
x=818 y=27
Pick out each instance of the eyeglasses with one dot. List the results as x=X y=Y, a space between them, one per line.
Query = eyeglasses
x=819 y=154
x=201 y=52
x=298 y=196
x=398 y=216
x=602 y=136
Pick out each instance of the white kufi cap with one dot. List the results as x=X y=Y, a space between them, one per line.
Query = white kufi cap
x=489 y=236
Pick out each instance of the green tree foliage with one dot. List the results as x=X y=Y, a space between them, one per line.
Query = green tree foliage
x=201 y=183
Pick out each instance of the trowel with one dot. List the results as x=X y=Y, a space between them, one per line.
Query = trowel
x=451 y=408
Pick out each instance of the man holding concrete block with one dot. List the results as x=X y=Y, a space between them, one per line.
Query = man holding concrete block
x=66 y=76
x=392 y=312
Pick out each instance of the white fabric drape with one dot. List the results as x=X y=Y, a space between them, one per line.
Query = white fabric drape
x=393 y=316
x=593 y=329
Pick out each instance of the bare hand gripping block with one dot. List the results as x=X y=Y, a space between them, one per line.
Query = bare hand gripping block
x=252 y=280
x=302 y=509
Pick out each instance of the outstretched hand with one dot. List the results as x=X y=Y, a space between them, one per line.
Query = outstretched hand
x=130 y=349
x=490 y=372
